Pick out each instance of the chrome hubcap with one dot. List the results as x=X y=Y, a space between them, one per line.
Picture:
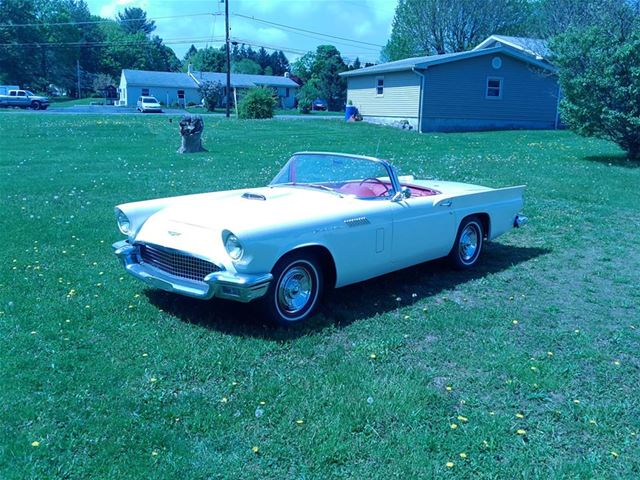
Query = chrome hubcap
x=294 y=291
x=468 y=243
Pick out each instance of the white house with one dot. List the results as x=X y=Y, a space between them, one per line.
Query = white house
x=178 y=88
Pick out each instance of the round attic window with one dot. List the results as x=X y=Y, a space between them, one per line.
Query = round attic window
x=496 y=63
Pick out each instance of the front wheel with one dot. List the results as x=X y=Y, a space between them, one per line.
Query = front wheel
x=468 y=244
x=295 y=290
x=35 y=105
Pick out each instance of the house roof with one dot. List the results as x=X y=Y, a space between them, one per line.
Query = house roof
x=421 y=63
x=533 y=46
x=148 y=78
x=243 y=80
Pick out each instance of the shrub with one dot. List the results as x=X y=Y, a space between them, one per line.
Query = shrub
x=308 y=93
x=211 y=94
x=257 y=103
x=600 y=79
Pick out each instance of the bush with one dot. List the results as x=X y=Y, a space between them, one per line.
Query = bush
x=257 y=103
x=308 y=93
x=600 y=79
x=211 y=94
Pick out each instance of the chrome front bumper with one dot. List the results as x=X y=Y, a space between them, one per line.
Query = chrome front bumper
x=221 y=284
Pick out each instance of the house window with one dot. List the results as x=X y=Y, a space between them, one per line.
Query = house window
x=379 y=86
x=145 y=92
x=181 y=94
x=494 y=88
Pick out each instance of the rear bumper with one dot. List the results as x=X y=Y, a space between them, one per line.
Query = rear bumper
x=222 y=284
x=520 y=221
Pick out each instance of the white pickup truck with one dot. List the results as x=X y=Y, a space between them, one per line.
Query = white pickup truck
x=24 y=99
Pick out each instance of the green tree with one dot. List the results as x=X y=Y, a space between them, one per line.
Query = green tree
x=324 y=65
x=134 y=20
x=257 y=103
x=600 y=80
x=425 y=27
x=246 y=66
x=209 y=60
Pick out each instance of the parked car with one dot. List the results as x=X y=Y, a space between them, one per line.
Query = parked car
x=326 y=220
x=24 y=99
x=319 y=104
x=148 y=104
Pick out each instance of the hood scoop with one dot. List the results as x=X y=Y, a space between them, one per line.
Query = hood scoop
x=254 y=196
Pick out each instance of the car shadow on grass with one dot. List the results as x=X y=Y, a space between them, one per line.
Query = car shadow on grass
x=345 y=305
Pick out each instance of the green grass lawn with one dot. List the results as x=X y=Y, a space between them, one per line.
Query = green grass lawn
x=526 y=367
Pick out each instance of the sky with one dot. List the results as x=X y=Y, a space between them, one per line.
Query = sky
x=201 y=22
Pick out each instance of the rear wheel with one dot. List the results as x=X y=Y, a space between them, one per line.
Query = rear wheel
x=468 y=244
x=295 y=290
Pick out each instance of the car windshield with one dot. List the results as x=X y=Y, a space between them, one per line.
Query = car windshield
x=341 y=174
x=149 y=100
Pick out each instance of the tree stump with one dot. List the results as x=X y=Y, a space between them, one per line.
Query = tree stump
x=191 y=127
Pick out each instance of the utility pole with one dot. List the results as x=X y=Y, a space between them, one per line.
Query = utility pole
x=226 y=23
x=78 y=74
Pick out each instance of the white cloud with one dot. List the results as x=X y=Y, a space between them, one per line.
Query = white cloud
x=110 y=9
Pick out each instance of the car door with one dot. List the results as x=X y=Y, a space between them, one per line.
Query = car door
x=424 y=228
x=22 y=97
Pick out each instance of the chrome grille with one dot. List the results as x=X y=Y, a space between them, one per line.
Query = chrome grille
x=175 y=263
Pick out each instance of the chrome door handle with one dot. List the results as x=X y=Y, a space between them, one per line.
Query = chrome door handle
x=446 y=204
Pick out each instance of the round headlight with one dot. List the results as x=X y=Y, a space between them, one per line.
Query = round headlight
x=123 y=222
x=233 y=247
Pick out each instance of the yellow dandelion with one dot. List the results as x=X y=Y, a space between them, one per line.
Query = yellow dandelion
x=593 y=422
x=424 y=310
x=154 y=453
x=492 y=413
x=614 y=454
x=406 y=317
x=224 y=400
x=463 y=455
x=515 y=322
x=485 y=443
x=549 y=354
x=263 y=403
x=131 y=306
x=463 y=419
x=448 y=388
x=521 y=431
x=450 y=464
x=153 y=379
x=454 y=426
x=577 y=330
x=300 y=422
x=234 y=383
x=35 y=444
x=534 y=369
x=33 y=332
x=145 y=354
x=255 y=449
x=373 y=356
x=577 y=402
x=616 y=362
x=519 y=415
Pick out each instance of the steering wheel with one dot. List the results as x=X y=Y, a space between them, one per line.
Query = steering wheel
x=377 y=180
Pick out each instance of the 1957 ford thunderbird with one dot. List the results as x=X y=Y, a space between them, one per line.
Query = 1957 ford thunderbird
x=326 y=220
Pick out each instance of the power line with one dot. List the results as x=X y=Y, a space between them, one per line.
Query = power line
x=306 y=31
x=107 y=43
x=93 y=22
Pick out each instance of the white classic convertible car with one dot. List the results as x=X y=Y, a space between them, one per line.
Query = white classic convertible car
x=326 y=220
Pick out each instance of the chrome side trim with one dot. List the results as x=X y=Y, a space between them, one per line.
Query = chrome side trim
x=357 y=222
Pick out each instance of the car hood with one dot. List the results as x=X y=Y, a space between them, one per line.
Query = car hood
x=247 y=211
